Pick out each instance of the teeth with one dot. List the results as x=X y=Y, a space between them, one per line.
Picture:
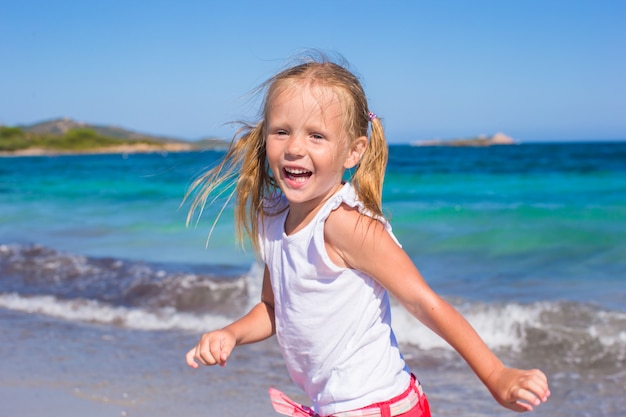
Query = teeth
x=295 y=171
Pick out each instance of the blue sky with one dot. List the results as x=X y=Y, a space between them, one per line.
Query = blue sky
x=536 y=70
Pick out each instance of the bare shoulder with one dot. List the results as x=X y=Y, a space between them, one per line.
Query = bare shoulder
x=356 y=241
x=348 y=232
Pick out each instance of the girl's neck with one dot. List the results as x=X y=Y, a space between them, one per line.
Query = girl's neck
x=301 y=214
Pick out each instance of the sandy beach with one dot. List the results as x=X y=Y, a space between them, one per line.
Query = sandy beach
x=53 y=368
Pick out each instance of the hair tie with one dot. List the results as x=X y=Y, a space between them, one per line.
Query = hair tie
x=371 y=116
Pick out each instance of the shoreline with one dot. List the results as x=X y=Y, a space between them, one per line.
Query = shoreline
x=139 y=148
x=143 y=148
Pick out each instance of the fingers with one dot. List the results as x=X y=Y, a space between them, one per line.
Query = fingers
x=535 y=385
x=532 y=390
x=209 y=350
x=519 y=406
x=218 y=351
x=519 y=390
x=190 y=358
x=212 y=349
x=527 y=400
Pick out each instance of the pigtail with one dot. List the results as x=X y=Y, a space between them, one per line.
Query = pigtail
x=241 y=173
x=370 y=173
x=253 y=186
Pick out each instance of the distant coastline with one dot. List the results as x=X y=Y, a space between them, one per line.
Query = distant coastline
x=68 y=137
x=483 y=140
x=116 y=149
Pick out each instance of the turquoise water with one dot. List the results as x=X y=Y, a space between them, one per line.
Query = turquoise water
x=528 y=241
x=554 y=213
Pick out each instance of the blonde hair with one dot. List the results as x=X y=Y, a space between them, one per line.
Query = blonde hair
x=255 y=190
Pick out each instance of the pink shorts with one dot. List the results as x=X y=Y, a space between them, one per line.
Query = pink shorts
x=411 y=403
x=396 y=406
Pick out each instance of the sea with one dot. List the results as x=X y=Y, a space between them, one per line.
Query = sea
x=104 y=287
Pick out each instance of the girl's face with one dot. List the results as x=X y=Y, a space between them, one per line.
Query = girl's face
x=307 y=146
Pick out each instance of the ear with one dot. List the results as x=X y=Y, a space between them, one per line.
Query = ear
x=355 y=152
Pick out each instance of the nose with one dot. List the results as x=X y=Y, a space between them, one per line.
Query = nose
x=295 y=146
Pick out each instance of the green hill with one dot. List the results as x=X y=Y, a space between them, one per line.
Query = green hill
x=69 y=136
x=63 y=125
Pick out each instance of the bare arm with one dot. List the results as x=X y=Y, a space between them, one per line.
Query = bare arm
x=362 y=244
x=258 y=324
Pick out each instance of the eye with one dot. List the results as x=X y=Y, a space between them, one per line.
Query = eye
x=317 y=136
x=278 y=133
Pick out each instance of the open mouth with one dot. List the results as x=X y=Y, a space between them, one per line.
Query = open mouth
x=296 y=174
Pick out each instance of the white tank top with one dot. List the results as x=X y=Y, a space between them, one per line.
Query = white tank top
x=333 y=324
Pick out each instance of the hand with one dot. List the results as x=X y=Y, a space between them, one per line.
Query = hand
x=519 y=390
x=213 y=348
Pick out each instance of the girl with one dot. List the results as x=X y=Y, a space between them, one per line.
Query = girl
x=331 y=259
